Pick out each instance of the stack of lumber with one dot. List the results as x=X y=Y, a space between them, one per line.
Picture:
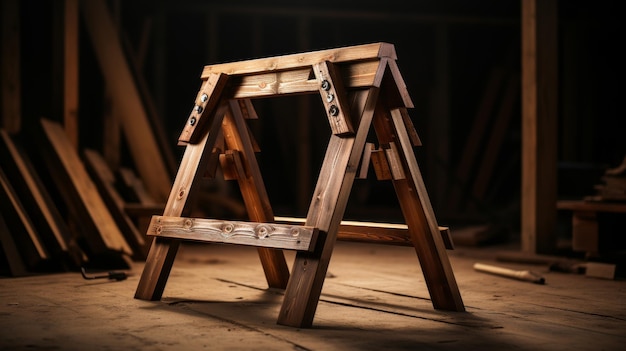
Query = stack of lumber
x=613 y=187
x=62 y=210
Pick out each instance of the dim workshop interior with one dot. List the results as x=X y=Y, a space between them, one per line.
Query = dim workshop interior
x=328 y=175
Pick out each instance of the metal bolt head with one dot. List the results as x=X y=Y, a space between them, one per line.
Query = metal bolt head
x=198 y=109
x=204 y=97
x=333 y=110
x=330 y=97
x=326 y=85
x=192 y=121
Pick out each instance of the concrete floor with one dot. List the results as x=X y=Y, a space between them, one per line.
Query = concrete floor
x=374 y=298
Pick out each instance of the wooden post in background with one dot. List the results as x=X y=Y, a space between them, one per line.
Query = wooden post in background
x=10 y=117
x=70 y=86
x=539 y=125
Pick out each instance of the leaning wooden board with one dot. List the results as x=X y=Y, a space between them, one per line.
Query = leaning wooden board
x=85 y=204
x=23 y=235
x=46 y=219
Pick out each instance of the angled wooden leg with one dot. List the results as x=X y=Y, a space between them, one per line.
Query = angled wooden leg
x=254 y=193
x=326 y=211
x=163 y=250
x=418 y=213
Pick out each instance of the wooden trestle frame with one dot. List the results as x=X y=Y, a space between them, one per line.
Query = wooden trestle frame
x=360 y=86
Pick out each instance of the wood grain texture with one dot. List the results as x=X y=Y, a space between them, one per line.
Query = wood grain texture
x=206 y=101
x=333 y=94
x=254 y=193
x=270 y=235
x=300 y=60
x=163 y=250
x=325 y=212
x=422 y=223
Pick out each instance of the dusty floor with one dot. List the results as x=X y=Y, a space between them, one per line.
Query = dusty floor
x=373 y=299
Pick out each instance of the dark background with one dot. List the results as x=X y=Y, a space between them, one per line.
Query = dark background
x=448 y=52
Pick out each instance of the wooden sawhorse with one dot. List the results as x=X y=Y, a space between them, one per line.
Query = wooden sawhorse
x=360 y=86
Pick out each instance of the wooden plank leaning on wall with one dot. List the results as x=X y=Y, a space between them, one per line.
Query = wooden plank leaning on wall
x=143 y=145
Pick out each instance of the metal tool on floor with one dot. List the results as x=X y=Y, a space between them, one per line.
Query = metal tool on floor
x=117 y=276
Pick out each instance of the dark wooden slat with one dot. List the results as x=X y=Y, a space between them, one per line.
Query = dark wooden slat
x=16 y=266
x=334 y=98
x=104 y=180
x=45 y=217
x=24 y=235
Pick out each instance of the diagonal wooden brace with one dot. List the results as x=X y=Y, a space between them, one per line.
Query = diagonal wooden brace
x=205 y=104
x=333 y=97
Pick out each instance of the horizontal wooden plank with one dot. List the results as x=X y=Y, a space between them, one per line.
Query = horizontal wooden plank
x=293 y=61
x=374 y=232
x=270 y=235
x=300 y=80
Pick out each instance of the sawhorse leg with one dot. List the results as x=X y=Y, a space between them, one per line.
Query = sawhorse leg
x=419 y=215
x=326 y=212
x=253 y=192
x=163 y=250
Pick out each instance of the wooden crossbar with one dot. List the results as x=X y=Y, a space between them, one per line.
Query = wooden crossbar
x=272 y=235
x=288 y=62
x=374 y=232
